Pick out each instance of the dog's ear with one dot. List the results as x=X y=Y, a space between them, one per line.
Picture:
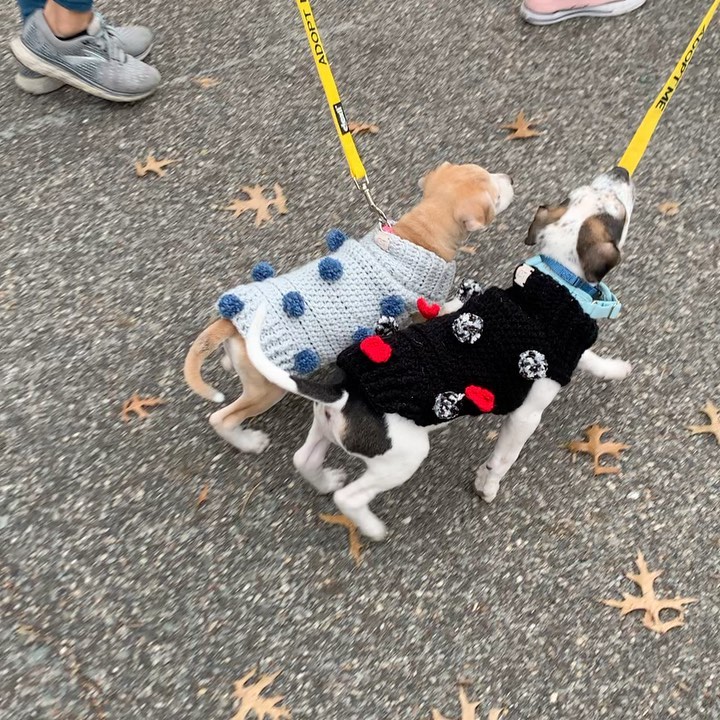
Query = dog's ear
x=543 y=217
x=597 y=245
x=476 y=212
x=424 y=179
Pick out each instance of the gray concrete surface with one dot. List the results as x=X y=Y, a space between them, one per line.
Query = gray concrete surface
x=122 y=600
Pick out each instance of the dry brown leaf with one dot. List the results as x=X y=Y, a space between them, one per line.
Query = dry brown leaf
x=468 y=709
x=251 y=701
x=357 y=128
x=137 y=405
x=597 y=448
x=521 y=127
x=259 y=203
x=203 y=495
x=353 y=534
x=153 y=165
x=469 y=249
x=669 y=207
x=713 y=428
x=649 y=602
x=206 y=82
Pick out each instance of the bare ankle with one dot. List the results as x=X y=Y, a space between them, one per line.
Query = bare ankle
x=66 y=23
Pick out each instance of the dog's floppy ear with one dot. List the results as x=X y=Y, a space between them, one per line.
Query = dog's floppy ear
x=543 y=217
x=597 y=245
x=476 y=212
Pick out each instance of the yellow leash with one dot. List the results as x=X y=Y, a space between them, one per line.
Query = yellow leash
x=638 y=145
x=357 y=170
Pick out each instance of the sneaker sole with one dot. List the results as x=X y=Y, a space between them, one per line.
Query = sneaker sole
x=44 y=85
x=30 y=60
x=611 y=9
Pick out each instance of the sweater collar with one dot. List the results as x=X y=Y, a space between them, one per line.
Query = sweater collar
x=597 y=301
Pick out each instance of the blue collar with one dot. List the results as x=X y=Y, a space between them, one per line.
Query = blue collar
x=597 y=301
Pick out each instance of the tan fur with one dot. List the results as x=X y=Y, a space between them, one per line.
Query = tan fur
x=456 y=200
x=543 y=217
x=597 y=246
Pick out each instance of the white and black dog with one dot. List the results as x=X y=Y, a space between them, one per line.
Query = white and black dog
x=507 y=351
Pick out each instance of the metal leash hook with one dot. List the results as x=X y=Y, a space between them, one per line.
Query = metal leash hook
x=363 y=186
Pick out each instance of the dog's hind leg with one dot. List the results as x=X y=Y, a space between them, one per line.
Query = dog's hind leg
x=514 y=433
x=309 y=459
x=258 y=396
x=410 y=446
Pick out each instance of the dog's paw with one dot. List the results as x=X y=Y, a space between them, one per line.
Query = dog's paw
x=249 y=441
x=373 y=528
x=485 y=486
x=617 y=370
x=330 y=480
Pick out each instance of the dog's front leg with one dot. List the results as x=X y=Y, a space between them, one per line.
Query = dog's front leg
x=604 y=368
x=514 y=433
x=451 y=306
x=309 y=459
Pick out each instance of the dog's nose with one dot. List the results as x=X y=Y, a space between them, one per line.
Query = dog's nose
x=619 y=173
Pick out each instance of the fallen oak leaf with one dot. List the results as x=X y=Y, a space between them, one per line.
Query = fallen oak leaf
x=153 y=165
x=669 y=208
x=137 y=405
x=649 y=602
x=469 y=249
x=353 y=534
x=206 y=82
x=468 y=709
x=251 y=700
x=521 y=127
x=713 y=428
x=259 y=203
x=597 y=448
x=357 y=128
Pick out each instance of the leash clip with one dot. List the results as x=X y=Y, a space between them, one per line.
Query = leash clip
x=364 y=187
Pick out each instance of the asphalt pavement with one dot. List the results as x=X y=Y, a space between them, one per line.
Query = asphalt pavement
x=122 y=599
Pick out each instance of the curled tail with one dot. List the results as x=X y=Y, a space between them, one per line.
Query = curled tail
x=332 y=395
x=205 y=344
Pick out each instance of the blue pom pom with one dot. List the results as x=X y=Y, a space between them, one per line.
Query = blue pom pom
x=262 y=271
x=361 y=333
x=392 y=305
x=293 y=304
x=306 y=361
x=230 y=305
x=330 y=269
x=334 y=239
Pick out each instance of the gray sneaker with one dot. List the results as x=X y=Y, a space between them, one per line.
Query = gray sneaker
x=99 y=62
x=135 y=40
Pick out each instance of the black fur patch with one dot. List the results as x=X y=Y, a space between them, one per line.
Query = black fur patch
x=318 y=391
x=365 y=432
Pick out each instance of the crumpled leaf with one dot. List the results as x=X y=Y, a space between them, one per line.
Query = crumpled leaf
x=713 y=428
x=521 y=127
x=648 y=601
x=206 y=82
x=153 y=165
x=669 y=208
x=353 y=534
x=251 y=700
x=468 y=710
x=259 y=203
x=597 y=448
x=137 y=405
x=357 y=128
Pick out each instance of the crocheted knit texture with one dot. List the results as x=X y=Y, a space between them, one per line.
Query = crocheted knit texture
x=317 y=310
x=484 y=357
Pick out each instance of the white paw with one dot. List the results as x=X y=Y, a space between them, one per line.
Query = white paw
x=485 y=486
x=330 y=480
x=373 y=528
x=617 y=370
x=252 y=441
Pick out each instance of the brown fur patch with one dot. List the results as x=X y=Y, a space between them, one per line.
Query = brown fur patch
x=543 y=217
x=597 y=245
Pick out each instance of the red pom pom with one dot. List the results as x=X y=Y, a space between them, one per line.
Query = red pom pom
x=376 y=349
x=484 y=399
x=427 y=310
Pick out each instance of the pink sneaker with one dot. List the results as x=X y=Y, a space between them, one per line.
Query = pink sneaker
x=546 y=12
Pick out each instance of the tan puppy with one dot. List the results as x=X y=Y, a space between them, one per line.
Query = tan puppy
x=457 y=200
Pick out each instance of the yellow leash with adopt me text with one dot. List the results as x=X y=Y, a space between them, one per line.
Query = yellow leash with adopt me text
x=357 y=169
x=641 y=139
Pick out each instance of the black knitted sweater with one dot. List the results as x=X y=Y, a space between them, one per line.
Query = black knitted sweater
x=482 y=358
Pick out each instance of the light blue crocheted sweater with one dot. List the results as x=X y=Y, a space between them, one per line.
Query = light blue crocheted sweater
x=319 y=309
